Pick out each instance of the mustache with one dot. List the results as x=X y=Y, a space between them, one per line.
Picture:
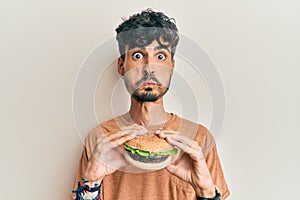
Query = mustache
x=148 y=76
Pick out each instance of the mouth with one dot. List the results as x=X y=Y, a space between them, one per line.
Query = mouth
x=148 y=89
x=149 y=84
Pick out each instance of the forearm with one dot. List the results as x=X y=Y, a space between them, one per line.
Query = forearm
x=206 y=192
x=201 y=180
x=87 y=190
x=93 y=171
x=216 y=196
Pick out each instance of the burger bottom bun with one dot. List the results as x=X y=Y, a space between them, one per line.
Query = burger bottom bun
x=147 y=166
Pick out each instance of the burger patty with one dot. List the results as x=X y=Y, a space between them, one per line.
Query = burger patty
x=147 y=159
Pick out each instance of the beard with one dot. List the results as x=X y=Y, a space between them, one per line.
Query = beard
x=149 y=94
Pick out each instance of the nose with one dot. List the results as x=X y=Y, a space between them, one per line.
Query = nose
x=149 y=65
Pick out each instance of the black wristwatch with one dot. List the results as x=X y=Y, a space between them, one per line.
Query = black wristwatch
x=217 y=197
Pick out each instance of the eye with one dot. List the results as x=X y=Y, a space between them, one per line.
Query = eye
x=161 y=56
x=137 y=56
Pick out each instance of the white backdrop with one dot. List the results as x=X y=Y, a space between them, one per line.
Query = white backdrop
x=254 y=44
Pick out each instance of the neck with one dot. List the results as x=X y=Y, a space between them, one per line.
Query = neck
x=148 y=113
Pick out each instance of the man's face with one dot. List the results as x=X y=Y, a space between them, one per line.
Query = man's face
x=147 y=71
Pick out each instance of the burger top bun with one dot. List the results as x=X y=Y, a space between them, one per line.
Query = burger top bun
x=149 y=142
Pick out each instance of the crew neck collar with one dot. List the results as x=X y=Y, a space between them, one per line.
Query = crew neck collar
x=125 y=120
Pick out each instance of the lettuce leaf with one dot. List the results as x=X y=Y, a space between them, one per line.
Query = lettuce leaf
x=150 y=153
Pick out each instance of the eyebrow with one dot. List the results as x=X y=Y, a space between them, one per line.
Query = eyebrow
x=159 y=47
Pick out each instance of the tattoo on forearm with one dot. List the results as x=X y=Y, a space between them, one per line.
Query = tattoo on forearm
x=87 y=191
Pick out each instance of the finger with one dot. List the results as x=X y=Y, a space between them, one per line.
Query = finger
x=124 y=129
x=185 y=140
x=122 y=140
x=116 y=135
x=167 y=130
x=103 y=147
x=177 y=136
x=194 y=152
x=134 y=130
x=110 y=144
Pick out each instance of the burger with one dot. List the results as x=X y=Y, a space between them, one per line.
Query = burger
x=149 y=152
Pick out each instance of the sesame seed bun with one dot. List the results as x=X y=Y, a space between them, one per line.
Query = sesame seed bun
x=149 y=152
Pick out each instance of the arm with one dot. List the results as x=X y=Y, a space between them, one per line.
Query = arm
x=87 y=190
x=82 y=188
x=201 y=169
x=104 y=159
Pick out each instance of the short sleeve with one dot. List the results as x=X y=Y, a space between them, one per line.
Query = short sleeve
x=81 y=167
x=215 y=168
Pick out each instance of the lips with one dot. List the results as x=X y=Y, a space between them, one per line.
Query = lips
x=149 y=84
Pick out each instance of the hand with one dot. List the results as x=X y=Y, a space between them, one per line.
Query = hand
x=191 y=166
x=106 y=156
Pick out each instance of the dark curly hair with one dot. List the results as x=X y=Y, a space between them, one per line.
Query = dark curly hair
x=143 y=28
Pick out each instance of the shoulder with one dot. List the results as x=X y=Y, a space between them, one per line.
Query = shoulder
x=105 y=126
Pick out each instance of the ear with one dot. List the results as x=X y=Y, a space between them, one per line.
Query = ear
x=121 y=66
x=172 y=66
x=173 y=63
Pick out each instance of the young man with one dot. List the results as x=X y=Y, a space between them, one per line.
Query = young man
x=147 y=43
